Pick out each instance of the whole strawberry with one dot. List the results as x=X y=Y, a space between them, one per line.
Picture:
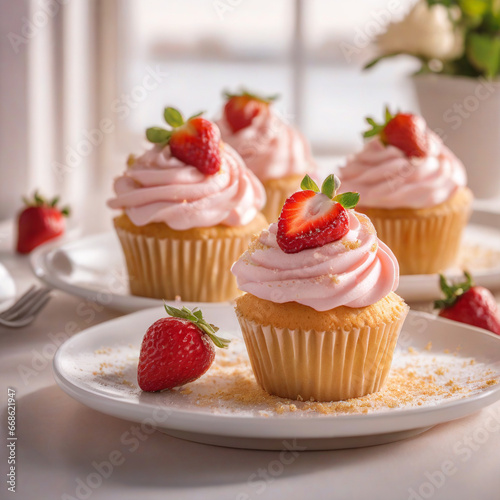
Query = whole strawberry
x=240 y=109
x=470 y=304
x=38 y=222
x=195 y=141
x=310 y=218
x=177 y=350
x=404 y=131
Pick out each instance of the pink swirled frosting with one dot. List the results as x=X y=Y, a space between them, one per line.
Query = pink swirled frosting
x=160 y=188
x=270 y=148
x=386 y=178
x=355 y=271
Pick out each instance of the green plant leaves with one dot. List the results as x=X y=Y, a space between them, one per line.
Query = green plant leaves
x=453 y=291
x=308 y=184
x=375 y=130
x=252 y=95
x=474 y=8
x=158 y=135
x=330 y=185
x=173 y=117
x=196 y=317
x=375 y=61
x=196 y=115
x=388 y=115
x=479 y=23
x=378 y=128
x=446 y=3
x=347 y=200
x=484 y=53
x=39 y=200
x=329 y=188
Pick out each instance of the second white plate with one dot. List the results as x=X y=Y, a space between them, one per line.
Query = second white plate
x=7 y=286
x=94 y=268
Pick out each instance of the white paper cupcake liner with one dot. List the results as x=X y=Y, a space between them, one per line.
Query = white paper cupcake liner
x=323 y=366
x=194 y=270
x=276 y=197
x=423 y=245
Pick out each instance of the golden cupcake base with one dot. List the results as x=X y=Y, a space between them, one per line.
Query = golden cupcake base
x=299 y=353
x=425 y=241
x=193 y=265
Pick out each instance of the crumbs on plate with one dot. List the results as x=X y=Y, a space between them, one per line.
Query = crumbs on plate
x=417 y=378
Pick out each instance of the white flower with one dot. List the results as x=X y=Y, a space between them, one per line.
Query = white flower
x=426 y=31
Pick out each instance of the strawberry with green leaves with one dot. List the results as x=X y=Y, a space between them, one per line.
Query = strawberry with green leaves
x=195 y=141
x=39 y=221
x=470 y=304
x=240 y=109
x=177 y=350
x=405 y=131
x=312 y=218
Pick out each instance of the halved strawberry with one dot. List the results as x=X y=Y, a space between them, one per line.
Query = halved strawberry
x=241 y=109
x=405 y=131
x=195 y=141
x=310 y=219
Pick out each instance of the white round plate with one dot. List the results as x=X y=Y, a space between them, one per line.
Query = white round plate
x=7 y=286
x=94 y=268
x=485 y=266
x=78 y=371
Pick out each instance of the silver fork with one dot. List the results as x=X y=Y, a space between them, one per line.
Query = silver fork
x=26 y=308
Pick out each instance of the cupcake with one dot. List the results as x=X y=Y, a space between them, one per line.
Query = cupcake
x=320 y=317
x=190 y=208
x=274 y=151
x=414 y=190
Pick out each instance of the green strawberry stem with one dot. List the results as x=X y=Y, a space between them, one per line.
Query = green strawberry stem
x=377 y=128
x=251 y=95
x=347 y=200
x=196 y=317
x=174 y=118
x=453 y=292
x=308 y=184
x=39 y=201
x=329 y=188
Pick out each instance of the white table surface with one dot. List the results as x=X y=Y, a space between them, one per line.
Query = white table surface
x=59 y=440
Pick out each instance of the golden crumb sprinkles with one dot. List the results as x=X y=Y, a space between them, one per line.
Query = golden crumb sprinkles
x=417 y=378
x=478 y=257
x=350 y=244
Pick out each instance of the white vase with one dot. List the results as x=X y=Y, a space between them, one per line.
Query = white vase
x=465 y=112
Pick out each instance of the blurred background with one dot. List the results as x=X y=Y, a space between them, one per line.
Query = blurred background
x=81 y=80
